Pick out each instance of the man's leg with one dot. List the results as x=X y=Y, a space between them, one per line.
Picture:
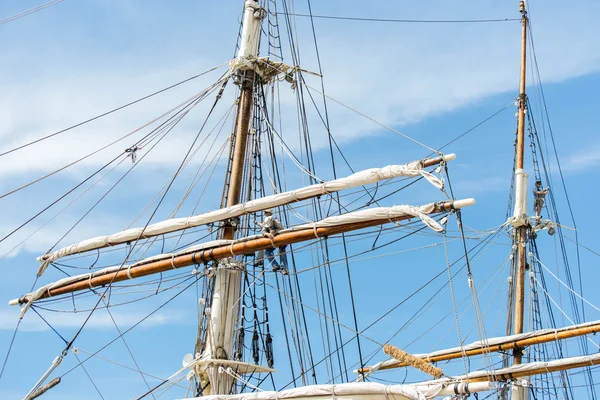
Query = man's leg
x=271 y=262
x=283 y=260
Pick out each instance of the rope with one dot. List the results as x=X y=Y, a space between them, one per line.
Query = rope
x=30 y=11
x=435 y=21
x=375 y=121
x=454 y=309
x=559 y=308
x=113 y=110
x=565 y=285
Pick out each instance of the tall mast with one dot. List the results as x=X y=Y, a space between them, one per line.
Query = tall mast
x=222 y=313
x=520 y=214
x=520 y=219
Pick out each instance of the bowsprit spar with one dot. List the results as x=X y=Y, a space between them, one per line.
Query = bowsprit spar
x=279 y=310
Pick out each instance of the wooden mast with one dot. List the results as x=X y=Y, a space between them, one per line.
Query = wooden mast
x=242 y=125
x=224 y=305
x=520 y=232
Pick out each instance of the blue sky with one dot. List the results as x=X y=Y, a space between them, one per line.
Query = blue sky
x=431 y=81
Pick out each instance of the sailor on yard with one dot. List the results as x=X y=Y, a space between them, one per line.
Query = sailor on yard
x=539 y=195
x=270 y=227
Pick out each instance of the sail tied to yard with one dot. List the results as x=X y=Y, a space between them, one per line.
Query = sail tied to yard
x=366 y=177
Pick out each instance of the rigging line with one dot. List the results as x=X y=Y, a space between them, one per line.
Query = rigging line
x=406 y=299
x=35 y=216
x=487 y=281
x=215 y=160
x=372 y=234
x=10 y=346
x=285 y=146
x=533 y=278
x=478 y=125
x=199 y=173
x=98 y=171
x=434 y=21
x=197 y=277
x=374 y=120
x=89 y=377
x=377 y=320
x=303 y=335
x=422 y=310
x=30 y=11
x=127 y=346
x=50 y=326
x=111 y=188
x=191 y=99
x=543 y=97
x=152 y=294
x=360 y=355
x=565 y=285
x=454 y=307
x=119 y=292
x=325 y=120
x=490 y=236
x=333 y=320
x=111 y=111
x=403 y=301
x=60 y=198
x=171 y=127
x=218 y=97
x=582 y=246
x=60 y=212
x=476 y=306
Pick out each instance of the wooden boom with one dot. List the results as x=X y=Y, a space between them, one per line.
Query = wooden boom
x=543 y=337
x=240 y=247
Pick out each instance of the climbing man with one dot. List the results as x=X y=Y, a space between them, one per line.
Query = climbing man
x=271 y=227
x=539 y=195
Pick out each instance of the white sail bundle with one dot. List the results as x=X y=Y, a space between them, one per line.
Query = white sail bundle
x=373 y=214
x=535 y=368
x=361 y=391
x=381 y=213
x=361 y=178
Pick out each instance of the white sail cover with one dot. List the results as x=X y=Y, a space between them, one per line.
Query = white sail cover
x=381 y=213
x=360 y=391
x=371 y=214
x=525 y=369
x=365 y=177
x=483 y=344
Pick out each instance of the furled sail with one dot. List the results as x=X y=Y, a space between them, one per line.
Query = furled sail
x=369 y=176
x=502 y=343
x=361 y=391
x=221 y=249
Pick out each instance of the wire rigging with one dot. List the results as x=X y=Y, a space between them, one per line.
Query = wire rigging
x=110 y=112
x=434 y=21
x=30 y=11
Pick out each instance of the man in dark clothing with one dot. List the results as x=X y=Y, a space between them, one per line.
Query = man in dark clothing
x=270 y=227
x=539 y=196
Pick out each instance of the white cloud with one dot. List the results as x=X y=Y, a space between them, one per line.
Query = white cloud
x=398 y=74
x=39 y=239
x=583 y=159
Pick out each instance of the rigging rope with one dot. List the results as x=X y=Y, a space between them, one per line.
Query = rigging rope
x=30 y=11
x=434 y=21
x=111 y=111
x=375 y=121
